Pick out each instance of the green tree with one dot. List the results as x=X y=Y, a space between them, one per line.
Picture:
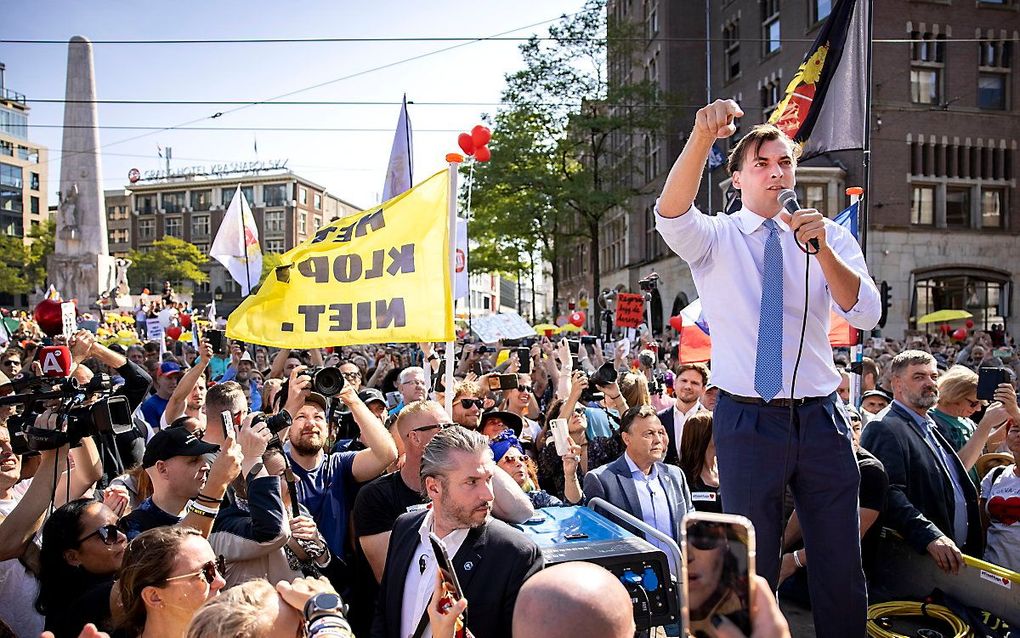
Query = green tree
x=43 y=239
x=13 y=257
x=169 y=259
x=570 y=128
x=269 y=263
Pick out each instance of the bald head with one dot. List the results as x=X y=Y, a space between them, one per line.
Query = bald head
x=573 y=599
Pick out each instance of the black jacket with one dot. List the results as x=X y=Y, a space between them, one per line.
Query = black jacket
x=672 y=445
x=491 y=565
x=920 y=503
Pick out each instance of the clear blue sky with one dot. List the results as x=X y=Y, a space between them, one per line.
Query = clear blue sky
x=350 y=164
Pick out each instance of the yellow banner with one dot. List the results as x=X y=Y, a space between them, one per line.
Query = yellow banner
x=379 y=276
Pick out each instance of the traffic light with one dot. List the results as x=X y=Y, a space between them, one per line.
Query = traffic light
x=884 y=290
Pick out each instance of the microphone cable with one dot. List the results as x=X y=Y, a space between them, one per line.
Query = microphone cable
x=808 y=250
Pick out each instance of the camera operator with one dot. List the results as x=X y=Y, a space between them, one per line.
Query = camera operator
x=130 y=444
x=329 y=481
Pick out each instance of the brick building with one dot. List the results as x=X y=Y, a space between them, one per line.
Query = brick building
x=944 y=133
x=191 y=204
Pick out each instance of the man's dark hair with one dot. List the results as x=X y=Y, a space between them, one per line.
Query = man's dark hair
x=634 y=413
x=754 y=139
x=700 y=368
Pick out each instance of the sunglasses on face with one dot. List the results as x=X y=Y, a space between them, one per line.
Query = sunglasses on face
x=579 y=411
x=438 y=426
x=706 y=536
x=8 y=364
x=525 y=388
x=208 y=572
x=467 y=403
x=974 y=405
x=108 y=533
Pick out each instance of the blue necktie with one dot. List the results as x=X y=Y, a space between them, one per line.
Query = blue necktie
x=768 y=364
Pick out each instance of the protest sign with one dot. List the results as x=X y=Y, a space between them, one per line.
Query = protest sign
x=378 y=276
x=506 y=325
x=630 y=310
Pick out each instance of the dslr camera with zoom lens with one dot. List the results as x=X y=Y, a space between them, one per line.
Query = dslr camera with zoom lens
x=605 y=375
x=327 y=381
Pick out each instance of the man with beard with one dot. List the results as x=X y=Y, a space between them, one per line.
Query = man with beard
x=492 y=560
x=467 y=404
x=932 y=502
x=689 y=386
x=328 y=482
x=639 y=482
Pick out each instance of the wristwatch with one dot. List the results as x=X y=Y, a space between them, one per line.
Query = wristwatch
x=324 y=604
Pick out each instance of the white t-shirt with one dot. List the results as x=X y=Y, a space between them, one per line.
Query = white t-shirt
x=18 y=586
x=1002 y=503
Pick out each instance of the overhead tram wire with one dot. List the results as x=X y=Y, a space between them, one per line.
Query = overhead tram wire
x=463 y=39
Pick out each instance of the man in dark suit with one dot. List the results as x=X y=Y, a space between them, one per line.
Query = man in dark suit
x=931 y=500
x=639 y=482
x=689 y=385
x=492 y=560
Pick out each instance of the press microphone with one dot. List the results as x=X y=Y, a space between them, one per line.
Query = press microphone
x=788 y=200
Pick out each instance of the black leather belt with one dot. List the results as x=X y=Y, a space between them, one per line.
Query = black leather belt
x=775 y=403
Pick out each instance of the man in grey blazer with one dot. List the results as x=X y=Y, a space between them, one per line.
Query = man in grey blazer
x=639 y=482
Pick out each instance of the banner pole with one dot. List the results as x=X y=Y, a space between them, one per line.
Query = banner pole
x=452 y=249
x=856 y=193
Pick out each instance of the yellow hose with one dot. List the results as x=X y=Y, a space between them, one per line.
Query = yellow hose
x=907 y=608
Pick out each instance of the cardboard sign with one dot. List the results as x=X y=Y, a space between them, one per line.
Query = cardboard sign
x=506 y=325
x=153 y=329
x=630 y=310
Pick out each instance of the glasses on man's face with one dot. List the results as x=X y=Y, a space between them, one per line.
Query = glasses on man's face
x=108 y=533
x=468 y=403
x=437 y=426
x=208 y=572
x=351 y=376
x=10 y=363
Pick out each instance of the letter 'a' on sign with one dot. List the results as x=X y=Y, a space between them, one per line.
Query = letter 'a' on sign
x=630 y=310
x=379 y=276
x=51 y=365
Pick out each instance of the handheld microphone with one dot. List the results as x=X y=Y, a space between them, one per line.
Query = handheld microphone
x=55 y=361
x=788 y=199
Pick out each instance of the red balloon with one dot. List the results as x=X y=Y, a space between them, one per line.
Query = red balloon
x=483 y=154
x=969 y=323
x=47 y=315
x=577 y=318
x=174 y=332
x=677 y=323
x=945 y=328
x=185 y=320
x=480 y=135
x=960 y=334
x=466 y=144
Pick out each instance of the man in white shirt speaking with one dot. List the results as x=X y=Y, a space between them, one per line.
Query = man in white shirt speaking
x=750 y=271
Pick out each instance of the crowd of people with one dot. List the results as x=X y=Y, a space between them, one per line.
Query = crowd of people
x=202 y=487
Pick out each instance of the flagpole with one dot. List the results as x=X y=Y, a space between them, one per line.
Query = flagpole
x=856 y=193
x=407 y=136
x=865 y=205
x=454 y=161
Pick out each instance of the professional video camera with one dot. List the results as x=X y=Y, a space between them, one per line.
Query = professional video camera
x=649 y=283
x=81 y=411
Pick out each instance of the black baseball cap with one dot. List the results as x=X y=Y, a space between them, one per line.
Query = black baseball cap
x=172 y=442
x=371 y=394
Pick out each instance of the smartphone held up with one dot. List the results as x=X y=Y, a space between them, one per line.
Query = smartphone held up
x=718 y=569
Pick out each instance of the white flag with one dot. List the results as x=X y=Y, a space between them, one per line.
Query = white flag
x=398 y=171
x=237 y=244
x=460 y=276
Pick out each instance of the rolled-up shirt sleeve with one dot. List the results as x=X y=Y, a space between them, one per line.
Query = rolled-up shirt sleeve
x=691 y=235
x=864 y=314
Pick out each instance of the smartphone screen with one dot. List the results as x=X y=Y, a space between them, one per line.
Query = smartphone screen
x=717 y=568
x=228 y=424
x=524 y=356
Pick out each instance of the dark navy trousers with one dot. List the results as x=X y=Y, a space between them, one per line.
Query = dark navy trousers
x=751 y=445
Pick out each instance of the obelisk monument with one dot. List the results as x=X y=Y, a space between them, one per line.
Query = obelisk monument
x=81 y=266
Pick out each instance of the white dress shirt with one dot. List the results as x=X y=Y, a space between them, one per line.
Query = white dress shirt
x=726 y=254
x=654 y=504
x=419 y=584
x=680 y=418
